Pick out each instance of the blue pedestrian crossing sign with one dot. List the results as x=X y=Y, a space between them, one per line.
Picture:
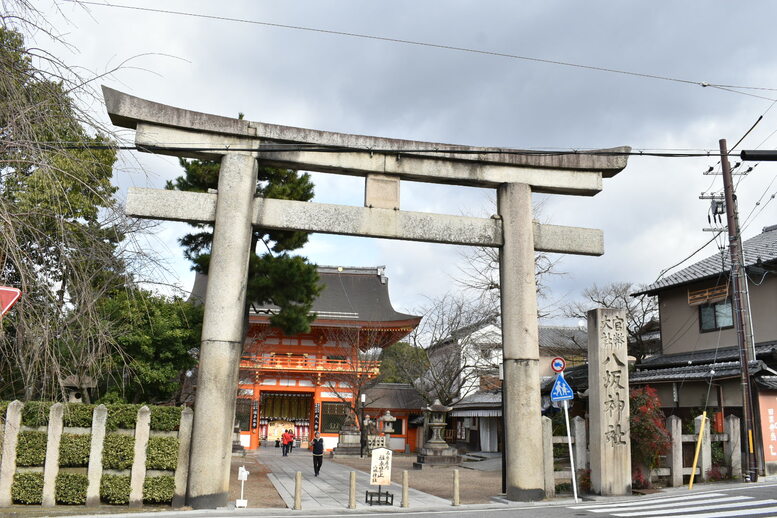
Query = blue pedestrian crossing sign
x=561 y=389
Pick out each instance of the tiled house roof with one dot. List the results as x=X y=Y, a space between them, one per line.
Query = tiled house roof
x=759 y=249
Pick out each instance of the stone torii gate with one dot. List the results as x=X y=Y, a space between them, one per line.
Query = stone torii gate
x=240 y=145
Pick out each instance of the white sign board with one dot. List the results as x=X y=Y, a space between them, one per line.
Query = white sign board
x=380 y=467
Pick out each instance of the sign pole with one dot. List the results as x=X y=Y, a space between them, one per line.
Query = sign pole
x=571 y=454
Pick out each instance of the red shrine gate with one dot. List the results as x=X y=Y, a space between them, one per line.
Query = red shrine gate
x=307 y=382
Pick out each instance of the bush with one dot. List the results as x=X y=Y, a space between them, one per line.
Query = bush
x=31 y=449
x=74 y=449
x=714 y=474
x=649 y=437
x=159 y=490
x=115 y=489
x=36 y=413
x=3 y=408
x=638 y=480
x=70 y=488
x=27 y=488
x=118 y=451
x=78 y=414
x=165 y=418
x=122 y=416
x=162 y=453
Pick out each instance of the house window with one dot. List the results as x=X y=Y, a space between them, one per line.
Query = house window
x=716 y=316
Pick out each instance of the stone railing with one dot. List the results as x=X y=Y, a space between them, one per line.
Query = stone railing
x=579 y=449
x=11 y=427
x=376 y=441
x=674 y=468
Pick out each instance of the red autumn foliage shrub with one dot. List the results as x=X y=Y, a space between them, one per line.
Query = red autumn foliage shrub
x=649 y=436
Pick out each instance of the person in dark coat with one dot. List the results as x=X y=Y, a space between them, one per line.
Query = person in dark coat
x=318 y=453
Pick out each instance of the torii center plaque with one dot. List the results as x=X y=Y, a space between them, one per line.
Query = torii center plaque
x=241 y=145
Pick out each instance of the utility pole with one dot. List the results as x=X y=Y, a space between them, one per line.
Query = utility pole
x=735 y=249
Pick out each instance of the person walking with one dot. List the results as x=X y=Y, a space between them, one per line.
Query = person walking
x=285 y=442
x=318 y=453
x=291 y=439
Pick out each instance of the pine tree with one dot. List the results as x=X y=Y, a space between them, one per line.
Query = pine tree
x=274 y=276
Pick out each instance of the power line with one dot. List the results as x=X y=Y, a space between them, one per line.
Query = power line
x=318 y=148
x=704 y=84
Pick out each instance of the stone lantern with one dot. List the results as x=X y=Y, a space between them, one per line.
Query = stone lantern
x=388 y=426
x=436 y=451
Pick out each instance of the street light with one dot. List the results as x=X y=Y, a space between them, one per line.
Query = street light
x=363 y=428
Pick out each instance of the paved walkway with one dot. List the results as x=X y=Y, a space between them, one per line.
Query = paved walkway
x=329 y=490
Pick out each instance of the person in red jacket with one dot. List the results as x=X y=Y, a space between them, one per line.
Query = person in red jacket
x=285 y=437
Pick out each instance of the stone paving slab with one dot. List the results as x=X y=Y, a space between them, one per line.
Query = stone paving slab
x=330 y=489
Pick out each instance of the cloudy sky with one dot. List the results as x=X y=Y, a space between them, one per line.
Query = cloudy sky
x=650 y=213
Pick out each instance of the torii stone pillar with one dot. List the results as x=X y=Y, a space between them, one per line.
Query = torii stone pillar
x=222 y=333
x=383 y=163
x=520 y=351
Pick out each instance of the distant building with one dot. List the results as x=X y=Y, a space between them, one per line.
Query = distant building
x=700 y=361
x=308 y=382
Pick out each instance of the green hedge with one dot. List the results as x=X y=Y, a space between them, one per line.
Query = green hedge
x=158 y=490
x=36 y=413
x=122 y=416
x=27 y=488
x=115 y=489
x=31 y=449
x=78 y=414
x=118 y=451
x=162 y=453
x=165 y=418
x=70 y=488
x=74 y=449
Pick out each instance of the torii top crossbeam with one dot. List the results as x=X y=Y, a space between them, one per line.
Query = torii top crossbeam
x=174 y=131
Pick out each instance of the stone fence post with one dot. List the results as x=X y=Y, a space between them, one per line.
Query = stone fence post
x=547 y=458
x=13 y=422
x=674 y=425
x=182 y=468
x=95 y=470
x=138 y=474
x=705 y=454
x=581 y=443
x=51 y=467
x=732 y=448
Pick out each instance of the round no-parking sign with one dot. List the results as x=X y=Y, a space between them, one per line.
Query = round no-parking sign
x=558 y=364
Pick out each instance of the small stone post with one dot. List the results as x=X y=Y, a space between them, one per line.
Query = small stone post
x=547 y=457
x=13 y=422
x=675 y=426
x=608 y=375
x=352 y=491
x=581 y=443
x=705 y=454
x=138 y=473
x=298 y=491
x=51 y=467
x=732 y=448
x=95 y=470
x=456 y=487
x=184 y=445
x=405 y=486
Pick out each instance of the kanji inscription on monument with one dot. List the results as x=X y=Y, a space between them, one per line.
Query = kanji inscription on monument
x=608 y=375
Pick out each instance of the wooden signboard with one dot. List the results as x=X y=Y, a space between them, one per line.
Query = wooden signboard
x=380 y=467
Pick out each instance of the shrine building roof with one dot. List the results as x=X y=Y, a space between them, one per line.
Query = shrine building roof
x=349 y=295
